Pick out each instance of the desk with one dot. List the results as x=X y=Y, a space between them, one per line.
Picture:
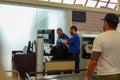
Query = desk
x=26 y=63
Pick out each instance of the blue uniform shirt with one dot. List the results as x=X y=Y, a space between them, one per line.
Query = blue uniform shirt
x=74 y=44
x=63 y=36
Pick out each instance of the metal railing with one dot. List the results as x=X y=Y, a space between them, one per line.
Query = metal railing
x=14 y=71
x=29 y=75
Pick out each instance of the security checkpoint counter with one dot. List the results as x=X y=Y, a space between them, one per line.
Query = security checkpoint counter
x=59 y=65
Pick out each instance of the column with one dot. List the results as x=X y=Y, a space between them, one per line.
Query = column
x=118 y=5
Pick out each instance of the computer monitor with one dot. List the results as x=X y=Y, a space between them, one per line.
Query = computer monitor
x=78 y=16
x=48 y=35
x=28 y=49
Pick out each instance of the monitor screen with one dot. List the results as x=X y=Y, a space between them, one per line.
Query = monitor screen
x=29 y=46
x=48 y=35
x=28 y=49
x=78 y=16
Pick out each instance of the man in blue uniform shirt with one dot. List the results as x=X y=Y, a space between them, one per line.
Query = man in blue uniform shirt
x=61 y=35
x=73 y=45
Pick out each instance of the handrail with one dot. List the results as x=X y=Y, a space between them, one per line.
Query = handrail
x=18 y=74
x=28 y=77
x=30 y=74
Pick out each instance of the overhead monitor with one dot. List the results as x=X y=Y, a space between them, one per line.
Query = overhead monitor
x=78 y=16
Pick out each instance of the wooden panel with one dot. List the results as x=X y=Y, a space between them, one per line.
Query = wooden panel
x=23 y=63
x=59 y=65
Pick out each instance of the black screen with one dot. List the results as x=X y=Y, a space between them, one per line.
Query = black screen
x=28 y=48
x=78 y=16
x=51 y=36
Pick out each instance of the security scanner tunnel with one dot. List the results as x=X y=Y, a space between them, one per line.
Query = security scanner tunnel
x=86 y=45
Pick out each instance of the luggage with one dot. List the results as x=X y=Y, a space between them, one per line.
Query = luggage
x=59 y=52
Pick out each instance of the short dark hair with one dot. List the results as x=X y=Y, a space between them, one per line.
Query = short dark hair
x=113 y=25
x=59 y=29
x=74 y=27
x=112 y=19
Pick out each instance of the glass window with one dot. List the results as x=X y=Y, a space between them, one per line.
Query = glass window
x=16 y=26
x=68 y=1
x=49 y=19
x=19 y=24
x=103 y=0
x=43 y=0
x=59 y=1
x=80 y=2
x=101 y=4
x=115 y=1
x=111 y=5
x=91 y=3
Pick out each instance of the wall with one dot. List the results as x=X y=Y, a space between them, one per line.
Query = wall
x=93 y=23
x=0 y=43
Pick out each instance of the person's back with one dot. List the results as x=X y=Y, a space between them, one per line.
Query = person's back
x=106 y=51
x=109 y=61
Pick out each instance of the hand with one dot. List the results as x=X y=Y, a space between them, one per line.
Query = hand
x=64 y=41
x=87 y=78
